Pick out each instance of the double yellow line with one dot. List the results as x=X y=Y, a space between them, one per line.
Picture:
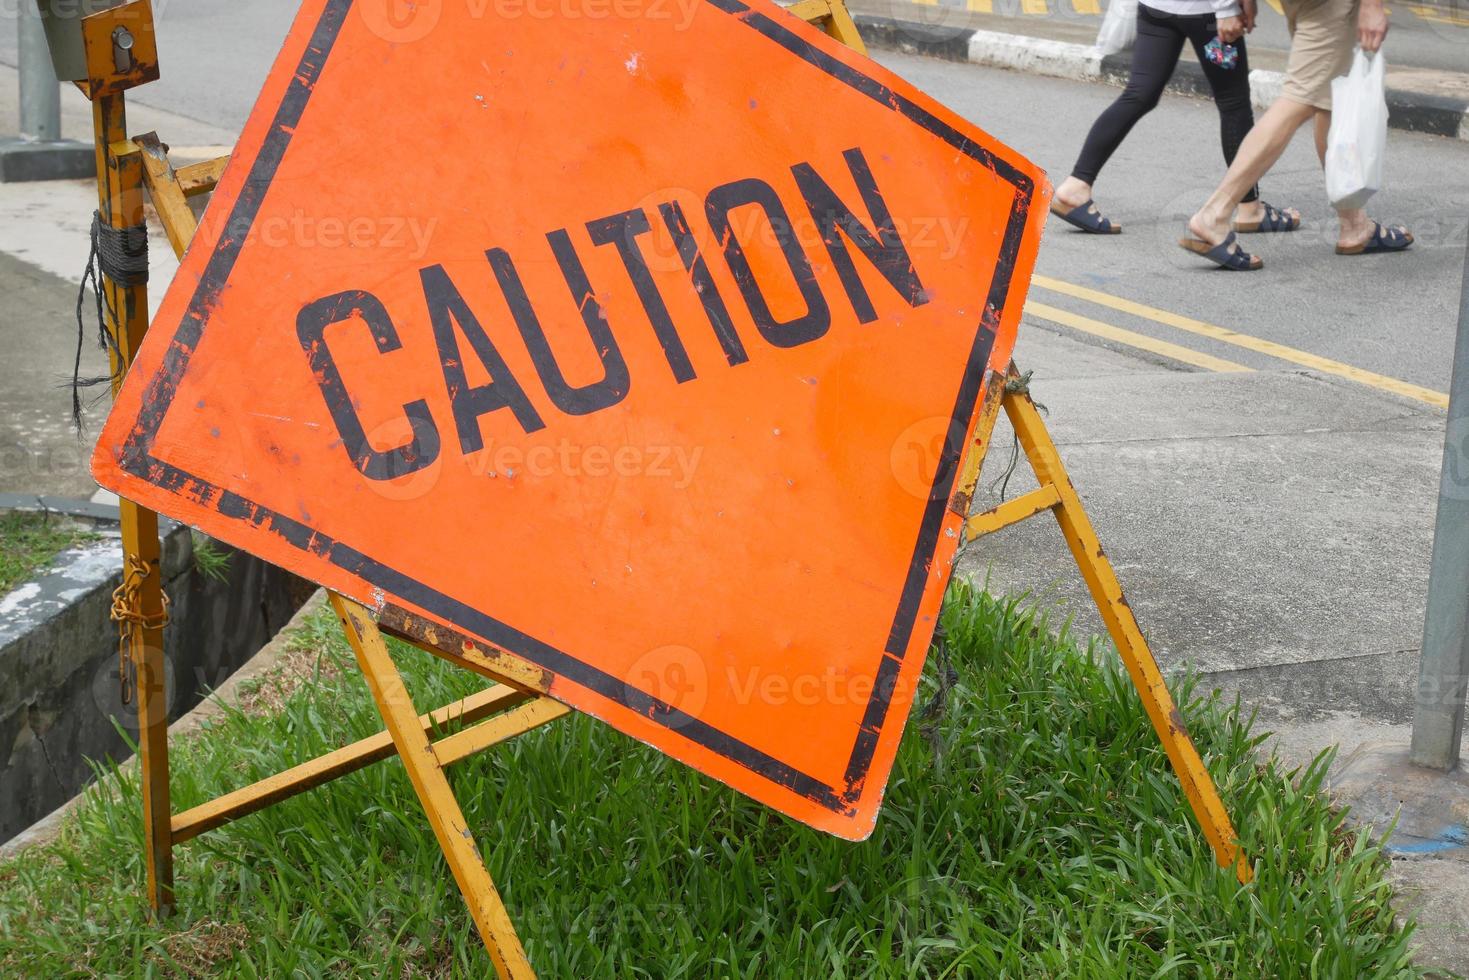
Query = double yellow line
x=1198 y=359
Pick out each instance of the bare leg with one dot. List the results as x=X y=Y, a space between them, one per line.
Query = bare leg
x=1073 y=192
x=1257 y=154
x=1250 y=211
x=1356 y=227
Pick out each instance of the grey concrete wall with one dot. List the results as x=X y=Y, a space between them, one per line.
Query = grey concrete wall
x=59 y=698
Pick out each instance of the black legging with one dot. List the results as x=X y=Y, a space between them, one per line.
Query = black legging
x=1160 y=38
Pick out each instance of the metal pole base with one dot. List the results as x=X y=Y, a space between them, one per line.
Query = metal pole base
x=22 y=160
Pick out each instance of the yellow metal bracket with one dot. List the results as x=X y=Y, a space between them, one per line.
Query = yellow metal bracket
x=832 y=17
x=1057 y=495
x=425 y=767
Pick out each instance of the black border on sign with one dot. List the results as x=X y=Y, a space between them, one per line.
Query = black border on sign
x=137 y=460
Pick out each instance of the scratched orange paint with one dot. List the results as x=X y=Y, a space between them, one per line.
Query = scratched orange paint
x=642 y=346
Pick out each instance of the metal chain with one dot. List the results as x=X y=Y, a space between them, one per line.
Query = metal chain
x=127 y=613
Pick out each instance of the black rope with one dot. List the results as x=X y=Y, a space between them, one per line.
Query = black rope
x=120 y=254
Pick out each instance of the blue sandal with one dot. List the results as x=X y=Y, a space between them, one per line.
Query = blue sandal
x=1382 y=240
x=1227 y=254
x=1274 y=220
x=1087 y=218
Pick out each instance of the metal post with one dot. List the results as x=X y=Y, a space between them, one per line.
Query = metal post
x=40 y=92
x=37 y=151
x=1443 y=666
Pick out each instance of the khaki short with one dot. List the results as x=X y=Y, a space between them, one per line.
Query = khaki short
x=1323 y=35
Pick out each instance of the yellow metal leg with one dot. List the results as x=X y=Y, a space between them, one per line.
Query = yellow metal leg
x=120 y=205
x=832 y=17
x=427 y=775
x=1058 y=495
x=841 y=26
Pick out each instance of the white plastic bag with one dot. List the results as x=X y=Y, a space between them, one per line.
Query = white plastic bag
x=1119 y=27
x=1357 y=141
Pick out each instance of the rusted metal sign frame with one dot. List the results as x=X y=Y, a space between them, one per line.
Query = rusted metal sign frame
x=517 y=702
x=120 y=206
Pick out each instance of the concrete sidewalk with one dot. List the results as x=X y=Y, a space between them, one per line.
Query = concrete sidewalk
x=1272 y=529
x=44 y=240
x=1419 y=99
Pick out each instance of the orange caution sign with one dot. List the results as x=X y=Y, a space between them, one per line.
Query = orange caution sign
x=642 y=341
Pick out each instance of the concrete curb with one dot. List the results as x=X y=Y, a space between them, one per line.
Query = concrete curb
x=48 y=828
x=22 y=159
x=1414 y=111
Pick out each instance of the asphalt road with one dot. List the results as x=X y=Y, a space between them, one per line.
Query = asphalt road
x=216 y=52
x=1433 y=34
x=1390 y=314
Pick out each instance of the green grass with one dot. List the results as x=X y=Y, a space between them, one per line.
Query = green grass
x=29 y=540
x=1032 y=830
x=210 y=560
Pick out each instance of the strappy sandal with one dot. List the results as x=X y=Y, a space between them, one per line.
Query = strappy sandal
x=1382 y=240
x=1227 y=254
x=1087 y=218
x=1275 y=220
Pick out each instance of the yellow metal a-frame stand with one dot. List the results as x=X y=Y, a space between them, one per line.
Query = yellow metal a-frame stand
x=517 y=700
x=1057 y=495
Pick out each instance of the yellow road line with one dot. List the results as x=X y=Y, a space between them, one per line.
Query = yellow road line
x=1315 y=362
x=1121 y=336
x=981 y=6
x=1036 y=8
x=1439 y=15
x=1086 y=7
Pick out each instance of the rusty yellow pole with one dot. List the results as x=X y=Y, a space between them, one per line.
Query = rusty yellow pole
x=426 y=773
x=1106 y=592
x=120 y=205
